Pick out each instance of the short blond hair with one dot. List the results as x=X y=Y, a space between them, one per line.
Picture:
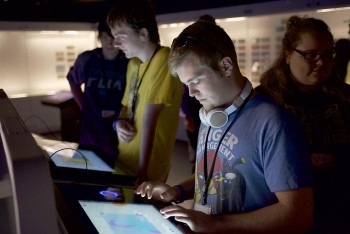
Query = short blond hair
x=208 y=41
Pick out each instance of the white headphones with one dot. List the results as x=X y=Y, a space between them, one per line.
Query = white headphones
x=218 y=117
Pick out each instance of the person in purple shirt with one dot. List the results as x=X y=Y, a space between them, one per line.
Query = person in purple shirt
x=102 y=72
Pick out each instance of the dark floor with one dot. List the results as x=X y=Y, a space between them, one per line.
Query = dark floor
x=181 y=167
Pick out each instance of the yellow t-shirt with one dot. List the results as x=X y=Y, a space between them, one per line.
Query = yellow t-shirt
x=347 y=77
x=157 y=87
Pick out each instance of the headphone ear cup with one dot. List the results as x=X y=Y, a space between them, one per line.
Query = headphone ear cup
x=217 y=118
x=203 y=116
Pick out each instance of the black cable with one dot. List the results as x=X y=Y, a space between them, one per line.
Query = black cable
x=44 y=123
x=78 y=182
x=86 y=164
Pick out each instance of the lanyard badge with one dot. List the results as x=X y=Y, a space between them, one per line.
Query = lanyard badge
x=206 y=209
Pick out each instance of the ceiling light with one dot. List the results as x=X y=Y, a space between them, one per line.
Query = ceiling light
x=333 y=9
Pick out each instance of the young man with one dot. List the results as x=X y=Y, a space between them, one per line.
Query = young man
x=190 y=111
x=253 y=173
x=148 y=121
x=102 y=71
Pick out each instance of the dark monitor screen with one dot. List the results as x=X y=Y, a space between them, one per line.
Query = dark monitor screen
x=27 y=202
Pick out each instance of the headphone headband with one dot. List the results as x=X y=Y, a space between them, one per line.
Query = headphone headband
x=238 y=100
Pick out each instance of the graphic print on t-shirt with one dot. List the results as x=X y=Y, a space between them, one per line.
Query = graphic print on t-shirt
x=227 y=185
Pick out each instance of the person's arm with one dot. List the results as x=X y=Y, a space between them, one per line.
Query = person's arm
x=187 y=190
x=149 y=124
x=292 y=214
x=78 y=94
x=125 y=130
x=76 y=77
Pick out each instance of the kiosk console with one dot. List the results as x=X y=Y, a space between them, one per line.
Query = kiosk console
x=49 y=190
x=27 y=201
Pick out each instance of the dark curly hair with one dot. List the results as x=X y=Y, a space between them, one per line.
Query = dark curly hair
x=103 y=27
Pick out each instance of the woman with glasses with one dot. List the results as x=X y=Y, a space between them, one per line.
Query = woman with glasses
x=302 y=81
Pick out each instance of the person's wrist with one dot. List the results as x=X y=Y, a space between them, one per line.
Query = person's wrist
x=181 y=193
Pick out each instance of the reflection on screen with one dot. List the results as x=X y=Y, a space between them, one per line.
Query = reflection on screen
x=114 y=218
x=82 y=159
x=67 y=154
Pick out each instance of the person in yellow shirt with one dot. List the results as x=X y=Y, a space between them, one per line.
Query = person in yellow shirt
x=147 y=124
x=347 y=78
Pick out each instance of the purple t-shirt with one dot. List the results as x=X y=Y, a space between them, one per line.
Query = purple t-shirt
x=104 y=82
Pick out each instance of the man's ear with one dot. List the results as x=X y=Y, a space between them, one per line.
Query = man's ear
x=226 y=64
x=143 y=33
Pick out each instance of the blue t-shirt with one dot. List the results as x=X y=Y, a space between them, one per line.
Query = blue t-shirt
x=104 y=84
x=265 y=151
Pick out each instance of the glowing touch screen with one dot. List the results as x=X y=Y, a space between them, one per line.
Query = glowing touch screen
x=114 y=218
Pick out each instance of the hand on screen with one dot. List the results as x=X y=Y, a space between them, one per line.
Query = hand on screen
x=197 y=221
x=157 y=190
x=125 y=130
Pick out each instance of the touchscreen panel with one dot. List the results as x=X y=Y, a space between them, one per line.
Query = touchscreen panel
x=82 y=159
x=68 y=155
x=127 y=218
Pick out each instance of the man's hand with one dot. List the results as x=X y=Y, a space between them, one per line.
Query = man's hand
x=195 y=220
x=125 y=130
x=157 y=190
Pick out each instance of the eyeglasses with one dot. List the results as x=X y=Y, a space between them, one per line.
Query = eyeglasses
x=181 y=41
x=313 y=56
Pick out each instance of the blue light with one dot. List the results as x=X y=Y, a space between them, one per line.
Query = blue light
x=107 y=193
